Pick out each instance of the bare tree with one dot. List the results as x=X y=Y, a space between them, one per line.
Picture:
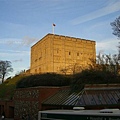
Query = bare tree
x=73 y=68
x=116 y=31
x=106 y=63
x=116 y=27
x=64 y=70
x=5 y=68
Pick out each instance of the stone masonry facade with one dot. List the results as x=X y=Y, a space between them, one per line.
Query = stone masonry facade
x=27 y=101
x=61 y=54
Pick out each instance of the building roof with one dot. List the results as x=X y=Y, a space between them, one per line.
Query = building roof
x=86 y=97
x=56 y=35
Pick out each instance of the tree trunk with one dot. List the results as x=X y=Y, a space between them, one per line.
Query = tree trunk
x=3 y=78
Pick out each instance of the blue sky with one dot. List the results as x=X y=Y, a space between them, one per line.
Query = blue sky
x=24 y=22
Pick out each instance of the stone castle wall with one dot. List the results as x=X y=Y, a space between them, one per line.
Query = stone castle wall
x=55 y=53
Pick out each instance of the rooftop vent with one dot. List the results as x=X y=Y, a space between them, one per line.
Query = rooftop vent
x=78 y=108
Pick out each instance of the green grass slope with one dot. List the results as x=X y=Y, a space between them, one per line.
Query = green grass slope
x=7 y=88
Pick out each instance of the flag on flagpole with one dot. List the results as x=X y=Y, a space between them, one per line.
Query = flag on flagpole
x=54 y=24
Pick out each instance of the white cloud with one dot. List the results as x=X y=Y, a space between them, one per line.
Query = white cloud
x=18 y=60
x=111 y=8
x=12 y=51
x=10 y=41
x=27 y=41
x=13 y=55
x=108 y=45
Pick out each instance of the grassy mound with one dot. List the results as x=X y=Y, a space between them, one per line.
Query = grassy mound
x=7 y=88
x=77 y=81
x=44 y=80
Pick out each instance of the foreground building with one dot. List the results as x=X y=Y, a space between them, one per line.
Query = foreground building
x=28 y=101
x=61 y=54
x=91 y=97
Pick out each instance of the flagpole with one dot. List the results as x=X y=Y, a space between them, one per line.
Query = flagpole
x=53 y=25
x=52 y=29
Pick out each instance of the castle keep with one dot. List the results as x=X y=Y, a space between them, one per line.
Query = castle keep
x=61 y=54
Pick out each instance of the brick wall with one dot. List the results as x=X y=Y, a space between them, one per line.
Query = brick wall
x=7 y=106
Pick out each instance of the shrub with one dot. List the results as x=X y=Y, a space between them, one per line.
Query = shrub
x=44 y=80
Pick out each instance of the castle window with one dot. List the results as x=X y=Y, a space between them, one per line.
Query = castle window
x=69 y=53
x=35 y=60
x=77 y=54
x=39 y=70
x=57 y=51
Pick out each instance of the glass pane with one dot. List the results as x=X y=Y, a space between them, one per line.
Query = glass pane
x=80 y=101
x=91 y=99
x=111 y=98
x=86 y=100
x=105 y=95
x=97 y=99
